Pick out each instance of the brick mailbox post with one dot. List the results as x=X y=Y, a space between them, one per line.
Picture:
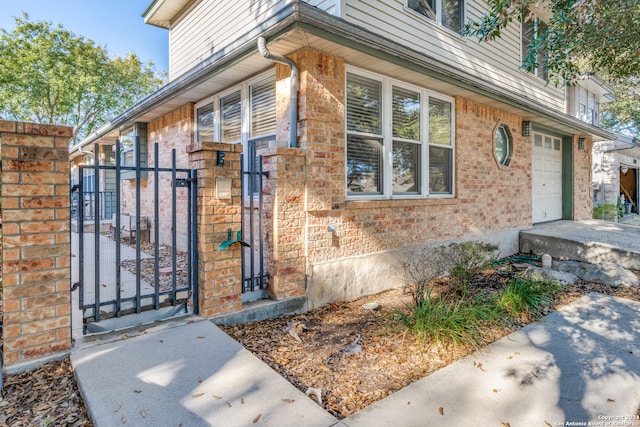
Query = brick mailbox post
x=36 y=273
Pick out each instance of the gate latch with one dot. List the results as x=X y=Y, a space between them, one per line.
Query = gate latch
x=230 y=241
x=181 y=182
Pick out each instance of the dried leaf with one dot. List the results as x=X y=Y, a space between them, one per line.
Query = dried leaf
x=200 y=379
x=505 y=424
x=496 y=390
x=548 y=423
x=228 y=404
x=143 y=412
x=135 y=390
x=216 y=397
x=288 y=400
x=479 y=366
x=610 y=400
x=123 y=419
x=197 y=395
x=200 y=336
x=117 y=408
x=242 y=401
x=257 y=418
x=441 y=410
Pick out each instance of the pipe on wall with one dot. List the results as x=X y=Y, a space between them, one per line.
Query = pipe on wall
x=293 y=98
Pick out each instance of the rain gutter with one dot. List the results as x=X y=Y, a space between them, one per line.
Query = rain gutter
x=293 y=97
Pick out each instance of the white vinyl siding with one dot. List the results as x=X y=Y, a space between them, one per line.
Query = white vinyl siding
x=211 y=26
x=497 y=61
x=330 y=6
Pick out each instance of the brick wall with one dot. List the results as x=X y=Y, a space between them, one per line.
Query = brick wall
x=174 y=130
x=582 y=189
x=36 y=247
x=488 y=198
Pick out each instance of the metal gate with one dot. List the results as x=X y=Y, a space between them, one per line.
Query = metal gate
x=254 y=274
x=136 y=246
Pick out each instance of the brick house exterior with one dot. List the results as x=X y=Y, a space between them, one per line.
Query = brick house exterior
x=325 y=238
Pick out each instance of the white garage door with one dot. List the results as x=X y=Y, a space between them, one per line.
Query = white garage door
x=547 y=178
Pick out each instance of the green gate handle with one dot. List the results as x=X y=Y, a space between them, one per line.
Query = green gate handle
x=224 y=245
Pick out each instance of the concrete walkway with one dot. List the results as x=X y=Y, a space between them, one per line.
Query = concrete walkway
x=580 y=364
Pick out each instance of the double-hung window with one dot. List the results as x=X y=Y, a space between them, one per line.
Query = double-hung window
x=244 y=114
x=448 y=13
x=532 y=30
x=399 y=139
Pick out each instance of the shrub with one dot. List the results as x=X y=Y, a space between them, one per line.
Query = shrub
x=608 y=211
x=467 y=259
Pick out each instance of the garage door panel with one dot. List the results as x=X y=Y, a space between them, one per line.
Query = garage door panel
x=547 y=178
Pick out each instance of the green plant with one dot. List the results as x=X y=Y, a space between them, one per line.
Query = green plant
x=440 y=321
x=608 y=211
x=526 y=299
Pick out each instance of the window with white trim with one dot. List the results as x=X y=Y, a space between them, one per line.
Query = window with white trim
x=588 y=107
x=244 y=114
x=399 y=139
x=448 y=13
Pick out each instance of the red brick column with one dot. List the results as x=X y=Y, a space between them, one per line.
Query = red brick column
x=219 y=271
x=284 y=196
x=36 y=273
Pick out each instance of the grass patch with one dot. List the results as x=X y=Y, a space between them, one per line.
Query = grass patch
x=526 y=299
x=460 y=320
x=437 y=319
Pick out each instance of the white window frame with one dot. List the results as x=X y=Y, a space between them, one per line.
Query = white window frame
x=245 y=119
x=438 y=18
x=387 y=139
x=586 y=111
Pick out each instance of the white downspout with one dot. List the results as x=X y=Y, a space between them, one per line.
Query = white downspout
x=293 y=98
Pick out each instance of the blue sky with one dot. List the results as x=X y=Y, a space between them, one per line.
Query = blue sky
x=116 y=24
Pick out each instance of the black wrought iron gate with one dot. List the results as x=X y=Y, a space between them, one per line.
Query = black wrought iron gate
x=254 y=273
x=136 y=245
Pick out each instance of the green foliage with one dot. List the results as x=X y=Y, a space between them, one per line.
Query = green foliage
x=50 y=75
x=525 y=298
x=581 y=36
x=608 y=211
x=440 y=321
x=457 y=317
x=623 y=115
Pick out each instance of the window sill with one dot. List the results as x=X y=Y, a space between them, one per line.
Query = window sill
x=383 y=203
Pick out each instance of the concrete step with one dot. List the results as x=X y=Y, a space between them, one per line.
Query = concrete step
x=592 y=241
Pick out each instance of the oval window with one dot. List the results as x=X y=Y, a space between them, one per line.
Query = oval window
x=502 y=145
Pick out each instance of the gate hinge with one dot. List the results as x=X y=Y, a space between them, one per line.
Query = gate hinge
x=181 y=182
x=75 y=286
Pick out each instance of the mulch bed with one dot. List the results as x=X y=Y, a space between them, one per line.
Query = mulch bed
x=388 y=358
x=47 y=396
